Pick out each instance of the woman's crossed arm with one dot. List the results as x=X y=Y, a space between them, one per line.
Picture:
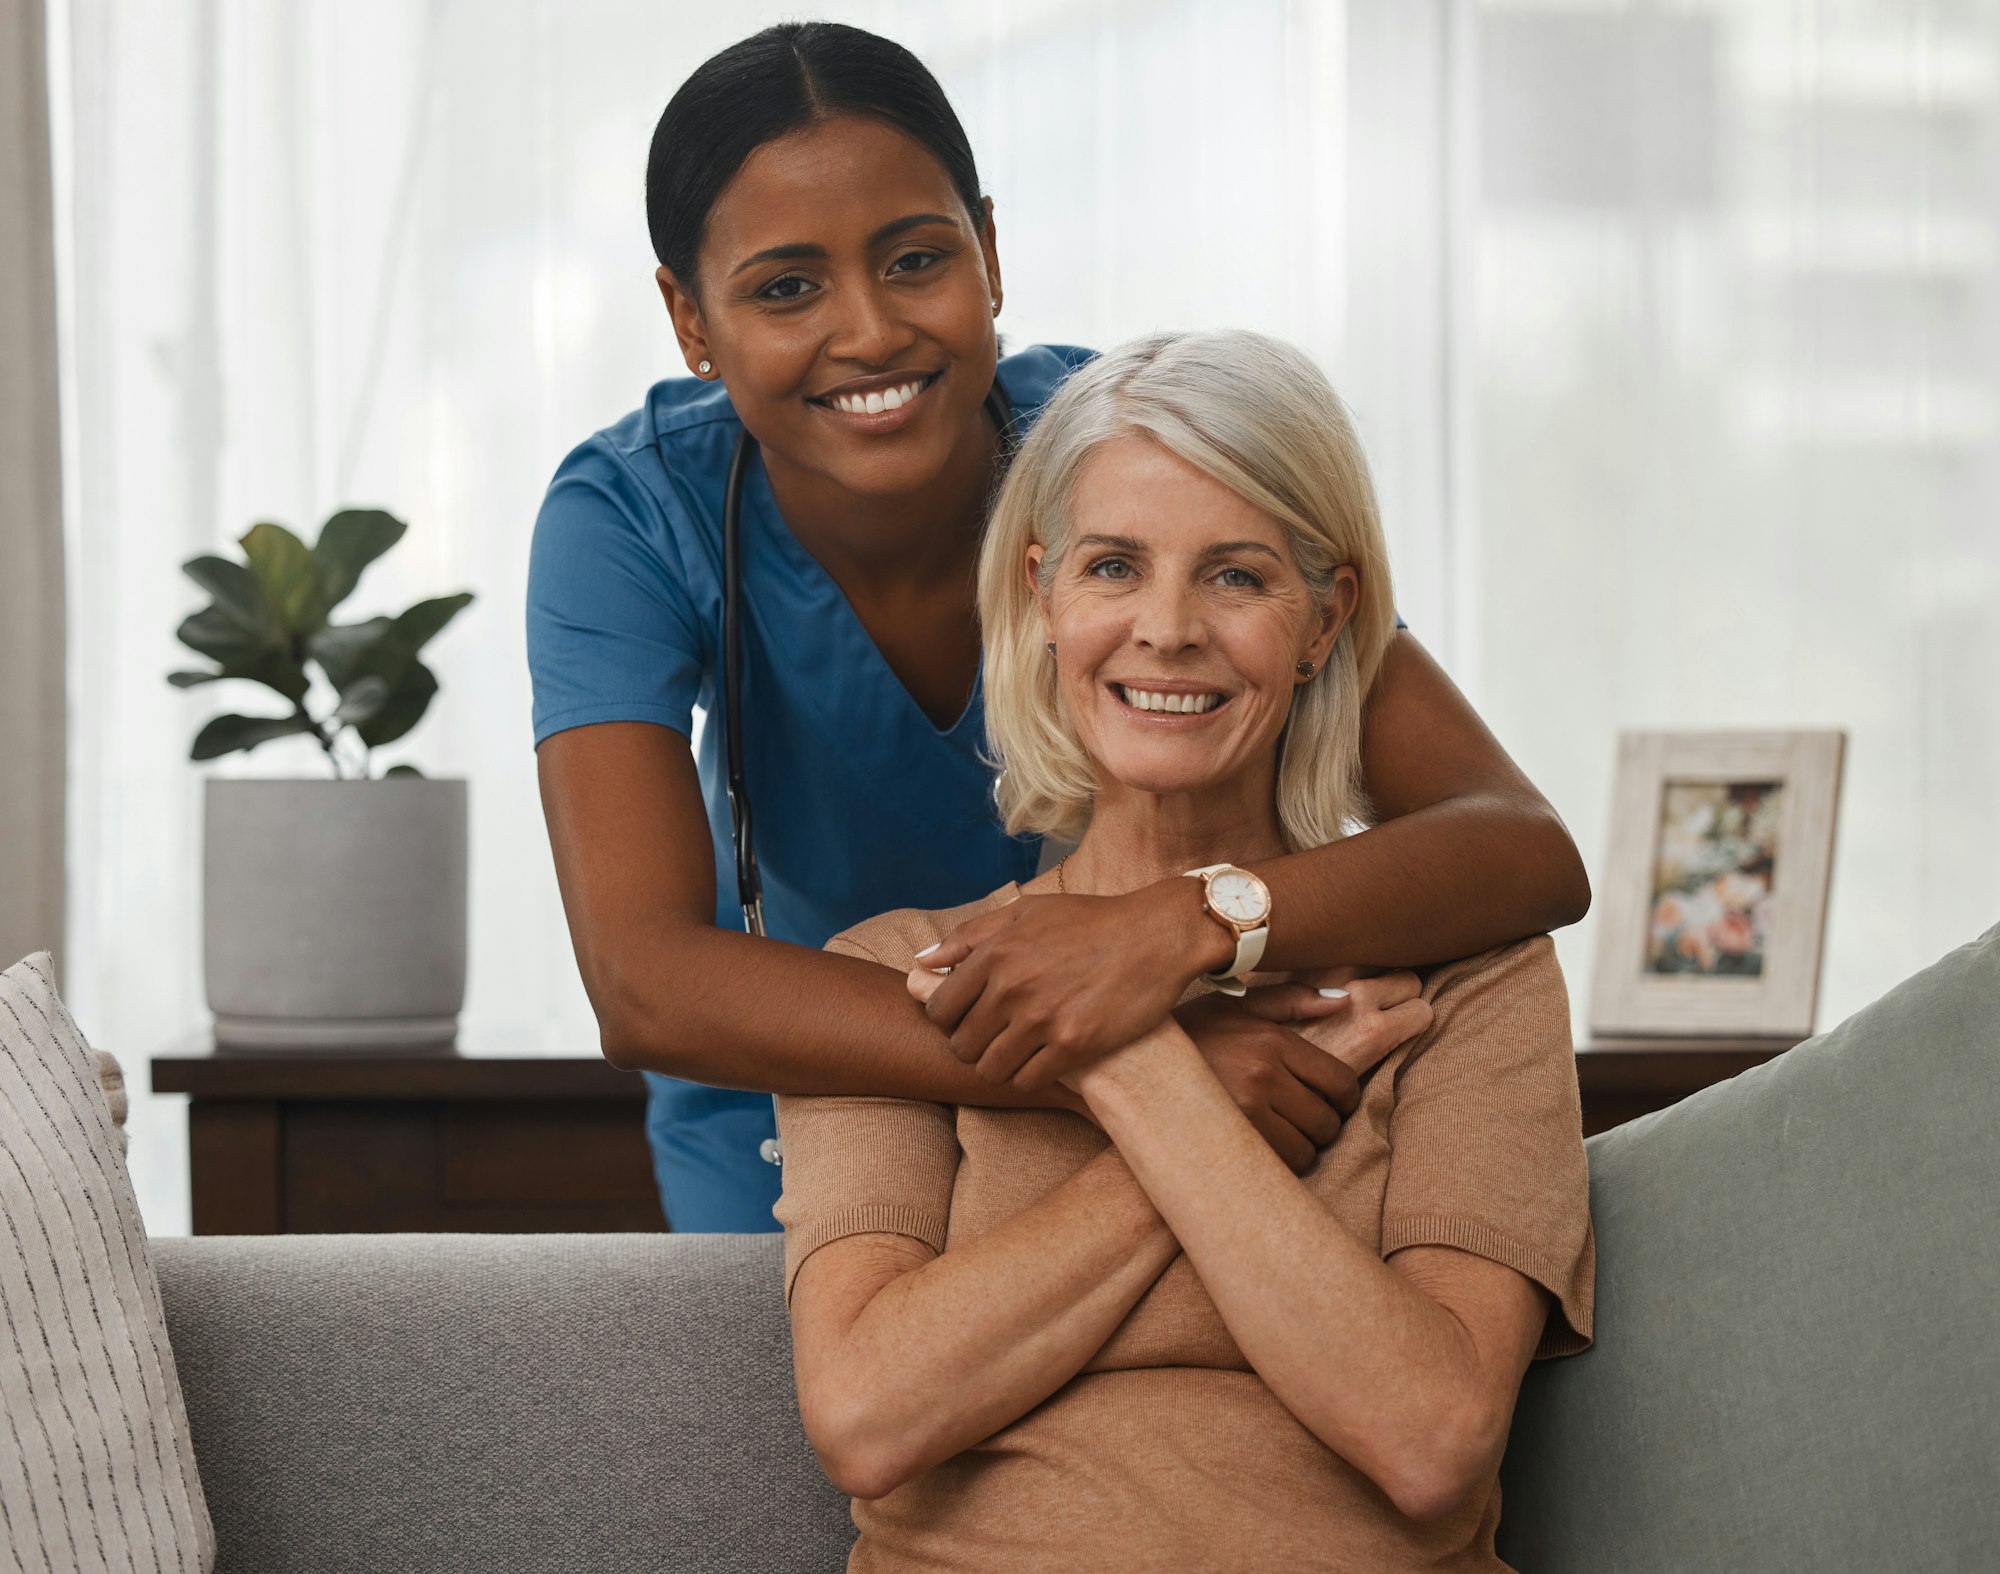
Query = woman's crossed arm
x=1408 y=1369
x=904 y=1357
x=1403 y=1354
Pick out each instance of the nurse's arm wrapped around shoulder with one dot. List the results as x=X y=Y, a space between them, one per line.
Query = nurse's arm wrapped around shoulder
x=1463 y=854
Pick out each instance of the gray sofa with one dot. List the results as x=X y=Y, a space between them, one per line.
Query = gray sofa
x=1797 y=1362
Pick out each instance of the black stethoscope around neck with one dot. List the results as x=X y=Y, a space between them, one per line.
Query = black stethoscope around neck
x=749 y=881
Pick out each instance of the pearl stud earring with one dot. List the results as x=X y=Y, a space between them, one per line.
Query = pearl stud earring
x=705 y=368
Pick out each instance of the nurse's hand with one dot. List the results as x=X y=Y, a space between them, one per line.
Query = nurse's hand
x=1046 y=984
x=1295 y=1092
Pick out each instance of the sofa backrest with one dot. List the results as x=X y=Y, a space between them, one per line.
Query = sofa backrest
x=430 y=1404
x=1797 y=1356
x=1797 y=1361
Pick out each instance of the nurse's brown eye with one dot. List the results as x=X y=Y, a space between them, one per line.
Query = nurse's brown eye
x=777 y=289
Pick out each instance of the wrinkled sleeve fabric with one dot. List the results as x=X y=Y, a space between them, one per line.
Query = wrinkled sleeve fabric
x=612 y=631
x=1486 y=1133
x=863 y=1166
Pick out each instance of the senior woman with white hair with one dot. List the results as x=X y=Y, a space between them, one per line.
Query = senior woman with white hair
x=1025 y=1339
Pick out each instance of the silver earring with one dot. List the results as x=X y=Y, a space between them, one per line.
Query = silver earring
x=996 y=308
x=704 y=368
x=1050 y=647
x=1305 y=669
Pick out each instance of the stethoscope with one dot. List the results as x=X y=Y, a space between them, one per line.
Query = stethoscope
x=749 y=880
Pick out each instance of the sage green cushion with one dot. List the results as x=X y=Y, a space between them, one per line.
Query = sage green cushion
x=1797 y=1356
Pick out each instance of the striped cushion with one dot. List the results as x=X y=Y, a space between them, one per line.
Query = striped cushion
x=97 y=1464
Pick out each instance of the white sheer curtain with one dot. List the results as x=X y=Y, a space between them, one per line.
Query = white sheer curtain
x=1671 y=327
x=319 y=253
x=1731 y=387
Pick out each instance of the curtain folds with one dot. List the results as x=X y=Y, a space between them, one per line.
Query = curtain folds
x=31 y=525
x=1671 y=327
x=373 y=252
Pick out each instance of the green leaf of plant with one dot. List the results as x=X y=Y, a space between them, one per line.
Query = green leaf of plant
x=237 y=594
x=420 y=625
x=403 y=709
x=402 y=770
x=348 y=543
x=364 y=700
x=344 y=650
x=226 y=734
x=289 y=577
x=218 y=636
x=384 y=648
x=275 y=669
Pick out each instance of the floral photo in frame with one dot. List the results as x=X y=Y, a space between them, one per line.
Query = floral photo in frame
x=1715 y=884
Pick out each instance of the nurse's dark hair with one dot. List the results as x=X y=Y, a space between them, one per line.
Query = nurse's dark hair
x=788 y=76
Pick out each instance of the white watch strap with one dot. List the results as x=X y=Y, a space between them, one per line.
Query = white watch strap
x=1249 y=949
x=1249 y=952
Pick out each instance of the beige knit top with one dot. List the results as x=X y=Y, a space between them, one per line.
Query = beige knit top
x=1168 y=1451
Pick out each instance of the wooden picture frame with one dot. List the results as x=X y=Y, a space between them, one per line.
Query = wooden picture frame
x=1715 y=882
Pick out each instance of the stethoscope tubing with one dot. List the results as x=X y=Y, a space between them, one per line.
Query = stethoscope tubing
x=749 y=879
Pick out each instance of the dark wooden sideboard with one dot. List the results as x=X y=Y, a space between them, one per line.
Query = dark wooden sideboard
x=491 y=1135
x=514 y=1136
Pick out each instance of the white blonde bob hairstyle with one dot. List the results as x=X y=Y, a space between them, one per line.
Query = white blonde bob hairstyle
x=1259 y=416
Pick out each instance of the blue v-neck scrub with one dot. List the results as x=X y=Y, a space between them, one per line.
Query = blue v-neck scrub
x=860 y=803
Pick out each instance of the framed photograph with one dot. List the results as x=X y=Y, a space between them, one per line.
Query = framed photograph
x=1714 y=885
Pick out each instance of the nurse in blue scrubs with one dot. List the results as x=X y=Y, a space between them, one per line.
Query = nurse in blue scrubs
x=829 y=264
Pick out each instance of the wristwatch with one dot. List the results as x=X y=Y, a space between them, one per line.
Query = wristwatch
x=1241 y=902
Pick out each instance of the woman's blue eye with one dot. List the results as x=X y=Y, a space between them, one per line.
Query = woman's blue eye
x=1103 y=566
x=1248 y=581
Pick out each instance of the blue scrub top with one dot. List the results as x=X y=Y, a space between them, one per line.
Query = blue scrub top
x=860 y=804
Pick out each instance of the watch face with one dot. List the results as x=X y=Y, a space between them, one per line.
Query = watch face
x=1239 y=896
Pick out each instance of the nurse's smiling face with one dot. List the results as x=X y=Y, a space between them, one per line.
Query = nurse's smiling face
x=846 y=299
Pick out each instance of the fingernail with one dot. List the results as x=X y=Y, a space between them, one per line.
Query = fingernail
x=1334 y=994
x=927 y=950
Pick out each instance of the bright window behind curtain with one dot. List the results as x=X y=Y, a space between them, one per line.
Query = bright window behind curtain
x=1673 y=331
x=1731 y=371
x=395 y=253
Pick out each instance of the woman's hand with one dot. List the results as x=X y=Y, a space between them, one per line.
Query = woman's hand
x=1386 y=1010
x=1047 y=984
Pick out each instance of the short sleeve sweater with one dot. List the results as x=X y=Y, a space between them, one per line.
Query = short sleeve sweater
x=1168 y=1450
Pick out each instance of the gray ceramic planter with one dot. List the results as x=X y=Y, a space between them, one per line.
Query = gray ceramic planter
x=334 y=912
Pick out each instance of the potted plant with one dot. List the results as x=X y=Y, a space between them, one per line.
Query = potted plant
x=334 y=910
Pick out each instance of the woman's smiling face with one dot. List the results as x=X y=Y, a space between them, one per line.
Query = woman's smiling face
x=1179 y=617
x=838 y=263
